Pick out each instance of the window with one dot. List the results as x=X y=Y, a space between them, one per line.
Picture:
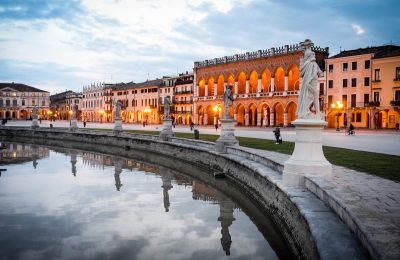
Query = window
x=366 y=99
x=354 y=83
x=397 y=73
x=1 y=102
x=345 y=66
x=330 y=67
x=367 y=64
x=330 y=101
x=354 y=65
x=366 y=81
x=23 y=102
x=377 y=75
x=376 y=97
x=353 y=100
x=345 y=83
x=330 y=83
x=7 y=103
x=15 y=103
x=43 y=103
x=397 y=95
x=358 y=117
x=33 y=103
x=344 y=100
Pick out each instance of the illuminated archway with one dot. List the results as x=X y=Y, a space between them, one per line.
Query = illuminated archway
x=231 y=81
x=210 y=84
x=279 y=79
x=242 y=83
x=293 y=78
x=202 y=88
x=252 y=114
x=265 y=114
x=266 y=81
x=200 y=115
x=253 y=82
x=220 y=85
x=278 y=111
x=210 y=116
x=240 y=114
x=291 y=112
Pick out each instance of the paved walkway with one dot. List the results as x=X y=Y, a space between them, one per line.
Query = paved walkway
x=381 y=141
x=369 y=205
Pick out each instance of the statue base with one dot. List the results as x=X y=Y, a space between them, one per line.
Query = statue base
x=74 y=125
x=117 y=126
x=308 y=157
x=34 y=124
x=166 y=132
x=227 y=137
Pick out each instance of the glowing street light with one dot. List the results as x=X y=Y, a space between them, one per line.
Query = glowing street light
x=101 y=112
x=338 y=106
x=146 y=112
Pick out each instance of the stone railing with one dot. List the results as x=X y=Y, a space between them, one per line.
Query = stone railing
x=256 y=55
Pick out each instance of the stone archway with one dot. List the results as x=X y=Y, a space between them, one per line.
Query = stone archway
x=220 y=85
x=278 y=114
x=290 y=113
x=293 y=78
x=279 y=82
x=241 y=83
x=266 y=81
x=251 y=115
x=253 y=82
x=240 y=117
x=202 y=88
x=200 y=115
x=264 y=115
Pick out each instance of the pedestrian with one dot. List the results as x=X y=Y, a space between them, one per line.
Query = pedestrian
x=40 y=120
x=191 y=126
x=278 y=137
x=84 y=123
x=216 y=127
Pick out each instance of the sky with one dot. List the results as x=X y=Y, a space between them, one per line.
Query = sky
x=58 y=45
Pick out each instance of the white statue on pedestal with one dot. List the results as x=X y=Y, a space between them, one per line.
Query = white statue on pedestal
x=228 y=101
x=309 y=92
x=34 y=112
x=118 y=109
x=74 y=111
x=167 y=105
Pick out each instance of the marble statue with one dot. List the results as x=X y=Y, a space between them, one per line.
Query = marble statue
x=34 y=112
x=74 y=111
x=228 y=101
x=167 y=105
x=309 y=92
x=118 y=109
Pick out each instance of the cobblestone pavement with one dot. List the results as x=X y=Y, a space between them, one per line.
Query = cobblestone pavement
x=381 y=141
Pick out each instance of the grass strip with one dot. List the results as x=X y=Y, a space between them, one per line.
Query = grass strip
x=382 y=165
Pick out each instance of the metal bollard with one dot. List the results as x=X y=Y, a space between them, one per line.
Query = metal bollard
x=196 y=134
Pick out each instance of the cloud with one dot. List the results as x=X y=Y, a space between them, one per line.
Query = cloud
x=357 y=28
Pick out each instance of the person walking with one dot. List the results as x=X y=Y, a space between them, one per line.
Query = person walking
x=278 y=137
x=84 y=123
x=216 y=127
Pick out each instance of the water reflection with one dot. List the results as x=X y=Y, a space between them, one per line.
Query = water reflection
x=190 y=227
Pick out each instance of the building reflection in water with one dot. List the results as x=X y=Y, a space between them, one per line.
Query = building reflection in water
x=13 y=153
x=17 y=153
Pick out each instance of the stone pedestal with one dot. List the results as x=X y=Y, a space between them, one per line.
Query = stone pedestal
x=74 y=125
x=227 y=137
x=166 y=132
x=117 y=126
x=35 y=123
x=308 y=157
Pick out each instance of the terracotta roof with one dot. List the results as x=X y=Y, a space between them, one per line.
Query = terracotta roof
x=20 y=87
x=361 y=51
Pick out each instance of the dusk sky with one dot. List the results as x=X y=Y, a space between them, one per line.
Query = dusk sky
x=57 y=45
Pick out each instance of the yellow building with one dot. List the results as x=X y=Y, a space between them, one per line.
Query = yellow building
x=386 y=88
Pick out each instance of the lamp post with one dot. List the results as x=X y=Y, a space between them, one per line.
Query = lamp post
x=146 y=112
x=101 y=111
x=337 y=106
x=217 y=111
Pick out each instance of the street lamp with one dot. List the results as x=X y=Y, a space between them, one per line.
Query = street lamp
x=101 y=111
x=217 y=111
x=146 y=111
x=338 y=106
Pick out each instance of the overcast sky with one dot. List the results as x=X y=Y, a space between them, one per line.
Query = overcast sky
x=56 y=45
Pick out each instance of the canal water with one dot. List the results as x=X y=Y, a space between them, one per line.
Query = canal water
x=57 y=203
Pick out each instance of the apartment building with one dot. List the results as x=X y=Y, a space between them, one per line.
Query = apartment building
x=183 y=99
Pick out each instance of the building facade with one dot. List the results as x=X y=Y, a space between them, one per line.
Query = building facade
x=93 y=102
x=352 y=83
x=61 y=105
x=183 y=99
x=18 y=100
x=265 y=86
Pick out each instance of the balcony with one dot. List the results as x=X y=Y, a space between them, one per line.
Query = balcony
x=376 y=81
x=184 y=102
x=184 y=92
x=374 y=103
x=396 y=79
x=395 y=103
